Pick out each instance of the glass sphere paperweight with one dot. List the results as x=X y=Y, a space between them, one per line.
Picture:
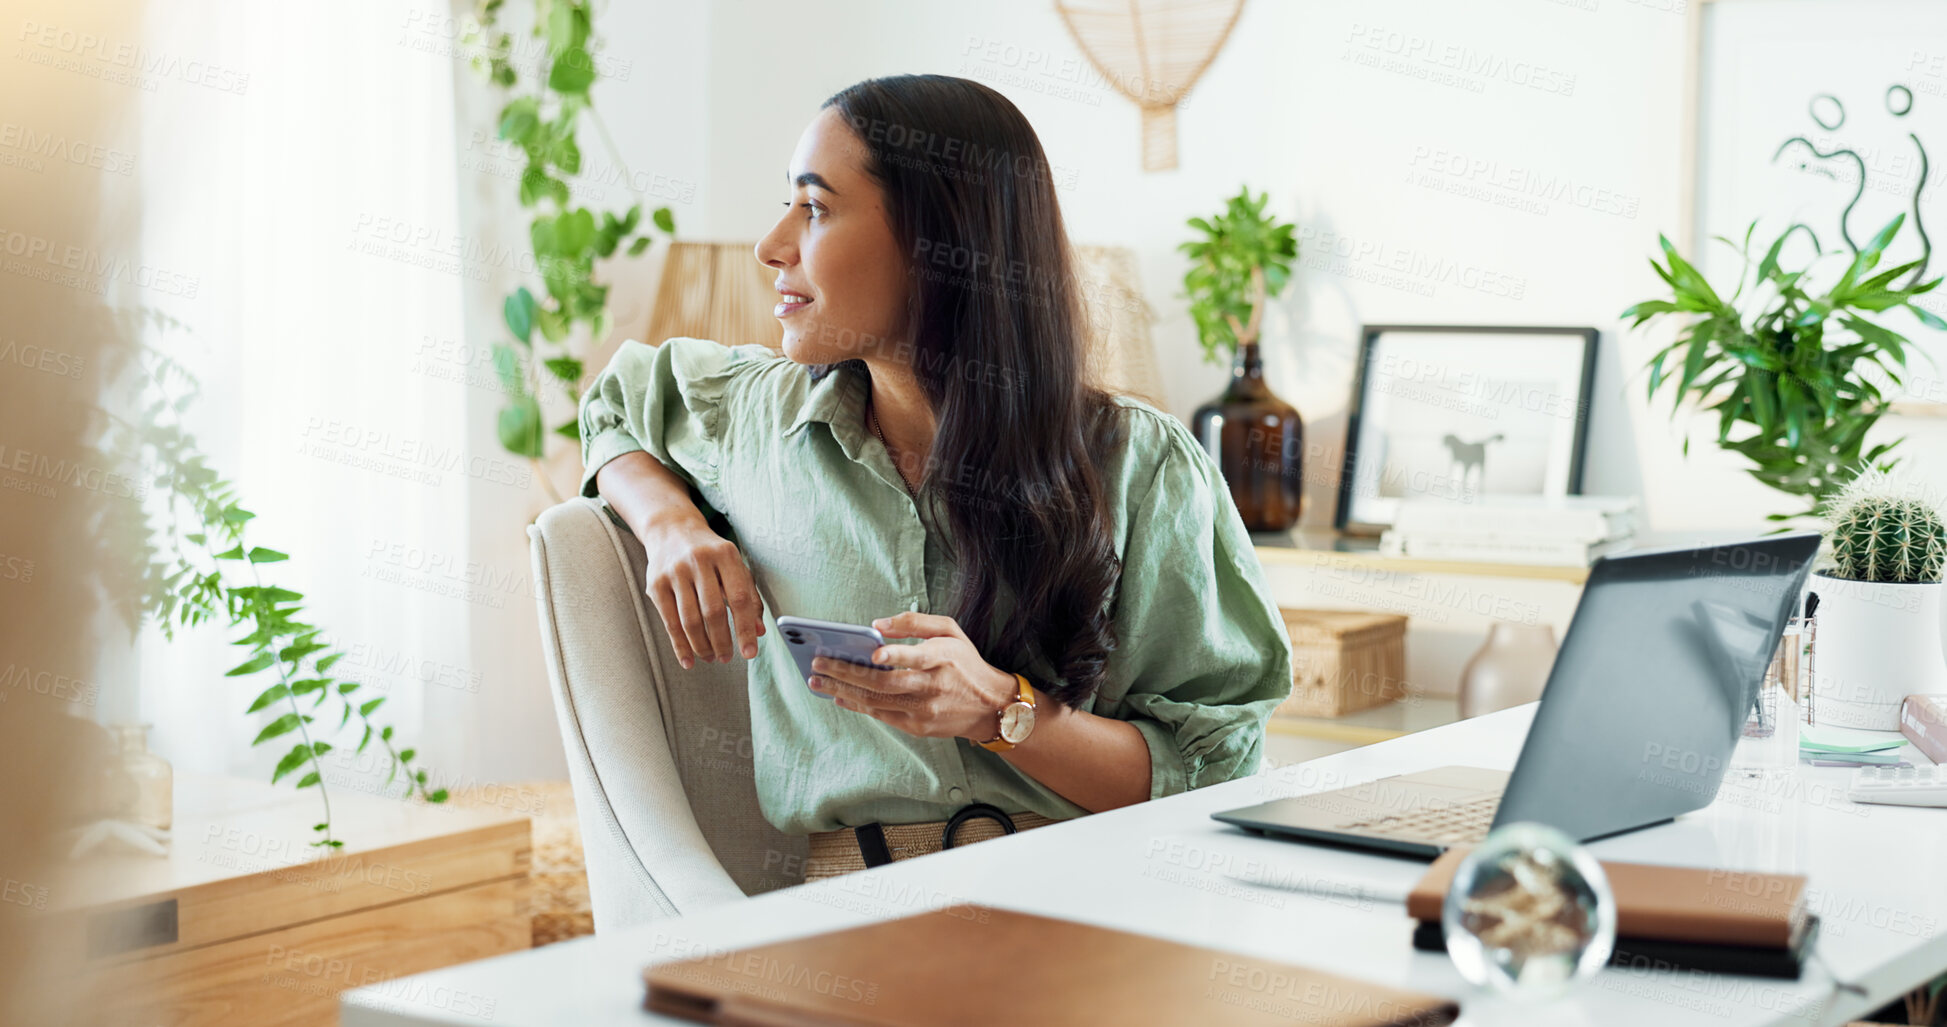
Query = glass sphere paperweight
x=1529 y=913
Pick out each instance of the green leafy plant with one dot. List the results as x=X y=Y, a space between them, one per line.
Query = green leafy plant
x=1882 y=532
x=541 y=116
x=200 y=565
x=1790 y=374
x=1241 y=260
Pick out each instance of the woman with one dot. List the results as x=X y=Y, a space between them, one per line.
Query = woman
x=927 y=458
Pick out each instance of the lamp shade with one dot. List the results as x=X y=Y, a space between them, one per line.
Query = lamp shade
x=715 y=290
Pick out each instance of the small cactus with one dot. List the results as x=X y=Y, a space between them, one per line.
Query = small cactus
x=1881 y=532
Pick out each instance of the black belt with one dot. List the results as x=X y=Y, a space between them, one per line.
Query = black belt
x=872 y=837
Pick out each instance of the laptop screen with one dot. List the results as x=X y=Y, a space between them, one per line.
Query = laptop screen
x=1653 y=682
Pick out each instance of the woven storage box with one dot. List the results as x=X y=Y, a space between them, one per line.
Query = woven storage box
x=1343 y=661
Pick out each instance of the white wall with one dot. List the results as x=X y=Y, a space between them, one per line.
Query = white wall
x=1389 y=130
x=1294 y=106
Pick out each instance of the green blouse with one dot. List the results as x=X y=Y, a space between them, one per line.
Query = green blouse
x=812 y=499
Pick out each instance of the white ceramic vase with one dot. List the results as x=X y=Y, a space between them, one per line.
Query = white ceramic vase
x=1877 y=643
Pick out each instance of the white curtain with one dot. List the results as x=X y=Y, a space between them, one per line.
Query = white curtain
x=299 y=186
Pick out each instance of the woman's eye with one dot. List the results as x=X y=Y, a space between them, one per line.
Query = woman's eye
x=811 y=209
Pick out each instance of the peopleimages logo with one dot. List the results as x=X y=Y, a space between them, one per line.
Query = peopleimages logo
x=80 y=267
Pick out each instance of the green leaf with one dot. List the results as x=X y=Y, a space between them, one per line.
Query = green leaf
x=437 y=795
x=269 y=695
x=636 y=248
x=320 y=748
x=573 y=71
x=665 y=220
x=386 y=733
x=281 y=726
x=1927 y=317
x=519 y=119
x=291 y=761
x=567 y=27
x=566 y=153
x=325 y=662
x=294 y=653
x=574 y=232
x=233 y=553
x=250 y=666
x=347 y=688
x=362 y=742
x=553 y=326
x=569 y=429
x=366 y=711
x=234 y=514
x=308 y=780
x=520 y=427
x=519 y=312
x=406 y=755
x=568 y=369
x=258 y=554
x=308 y=685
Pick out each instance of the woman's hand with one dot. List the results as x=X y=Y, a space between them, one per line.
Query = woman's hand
x=940 y=688
x=698 y=582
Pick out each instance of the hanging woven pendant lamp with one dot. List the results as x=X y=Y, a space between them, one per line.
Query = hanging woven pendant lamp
x=1151 y=51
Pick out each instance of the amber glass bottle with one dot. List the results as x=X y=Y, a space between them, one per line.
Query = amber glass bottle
x=1258 y=441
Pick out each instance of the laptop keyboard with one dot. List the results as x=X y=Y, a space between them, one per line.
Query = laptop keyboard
x=1452 y=823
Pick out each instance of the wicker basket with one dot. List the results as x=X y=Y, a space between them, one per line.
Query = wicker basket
x=1342 y=661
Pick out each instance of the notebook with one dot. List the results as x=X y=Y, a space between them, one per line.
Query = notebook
x=1697 y=918
x=978 y=965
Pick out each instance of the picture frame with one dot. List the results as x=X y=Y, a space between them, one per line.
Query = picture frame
x=1463 y=412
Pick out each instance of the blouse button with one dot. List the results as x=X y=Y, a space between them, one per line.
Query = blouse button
x=956 y=793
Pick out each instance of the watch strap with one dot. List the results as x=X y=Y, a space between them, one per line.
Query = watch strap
x=1026 y=695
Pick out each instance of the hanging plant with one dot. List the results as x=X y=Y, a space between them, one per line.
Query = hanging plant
x=200 y=562
x=541 y=117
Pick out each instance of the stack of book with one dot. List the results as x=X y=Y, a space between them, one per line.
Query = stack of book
x=1565 y=530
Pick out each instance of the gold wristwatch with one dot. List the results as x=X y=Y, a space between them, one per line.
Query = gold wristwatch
x=1017 y=721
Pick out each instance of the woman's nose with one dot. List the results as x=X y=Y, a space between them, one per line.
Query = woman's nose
x=774 y=251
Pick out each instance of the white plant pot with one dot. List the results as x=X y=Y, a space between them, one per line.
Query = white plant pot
x=1877 y=644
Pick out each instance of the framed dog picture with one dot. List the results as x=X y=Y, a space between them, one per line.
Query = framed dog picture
x=1462 y=413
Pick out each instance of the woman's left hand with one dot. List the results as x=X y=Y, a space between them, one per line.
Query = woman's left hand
x=940 y=688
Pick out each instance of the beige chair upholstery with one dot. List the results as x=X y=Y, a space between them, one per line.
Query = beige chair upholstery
x=659 y=756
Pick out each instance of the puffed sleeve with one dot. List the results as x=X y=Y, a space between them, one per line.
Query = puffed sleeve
x=1205 y=651
x=667 y=400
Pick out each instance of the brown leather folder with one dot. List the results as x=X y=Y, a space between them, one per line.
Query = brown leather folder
x=1687 y=904
x=978 y=965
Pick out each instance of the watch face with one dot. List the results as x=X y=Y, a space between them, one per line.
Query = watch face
x=1016 y=722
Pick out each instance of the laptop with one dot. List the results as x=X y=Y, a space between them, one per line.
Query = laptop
x=1643 y=708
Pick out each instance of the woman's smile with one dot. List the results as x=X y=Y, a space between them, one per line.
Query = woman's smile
x=790 y=303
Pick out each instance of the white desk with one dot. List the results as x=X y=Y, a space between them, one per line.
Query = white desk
x=1162 y=868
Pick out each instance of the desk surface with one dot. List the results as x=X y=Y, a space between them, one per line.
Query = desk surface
x=1164 y=868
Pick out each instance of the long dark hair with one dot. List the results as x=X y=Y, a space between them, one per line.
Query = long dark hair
x=996 y=331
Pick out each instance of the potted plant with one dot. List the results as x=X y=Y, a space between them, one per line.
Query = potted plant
x=1792 y=376
x=1879 y=604
x=1240 y=262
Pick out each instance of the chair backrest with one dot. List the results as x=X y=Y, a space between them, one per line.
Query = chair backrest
x=661 y=757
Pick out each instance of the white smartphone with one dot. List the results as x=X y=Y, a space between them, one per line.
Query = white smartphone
x=807 y=638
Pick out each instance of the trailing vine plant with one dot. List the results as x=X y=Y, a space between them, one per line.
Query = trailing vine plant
x=541 y=117
x=201 y=564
